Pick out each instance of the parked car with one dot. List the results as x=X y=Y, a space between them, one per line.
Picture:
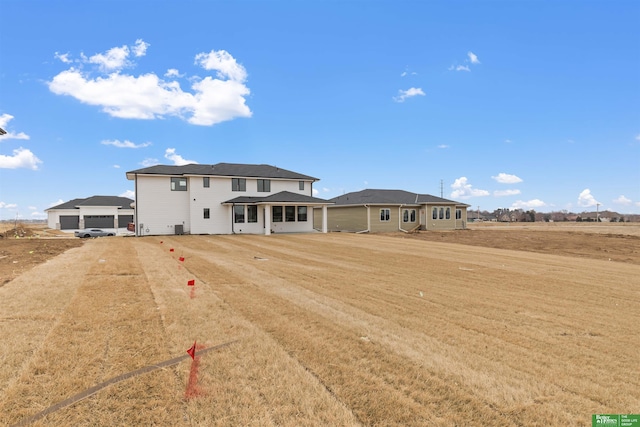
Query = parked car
x=93 y=232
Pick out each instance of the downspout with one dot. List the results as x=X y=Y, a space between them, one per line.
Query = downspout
x=233 y=212
x=400 y=219
x=368 y=221
x=137 y=205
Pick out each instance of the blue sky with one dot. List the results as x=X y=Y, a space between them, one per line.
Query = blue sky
x=520 y=104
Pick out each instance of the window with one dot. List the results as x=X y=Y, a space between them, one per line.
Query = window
x=413 y=215
x=206 y=213
x=405 y=216
x=178 y=184
x=441 y=213
x=205 y=181
x=290 y=213
x=448 y=216
x=264 y=185
x=252 y=213
x=277 y=213
x=238 y=184
x=301 y=185
x=238 y=213
x=458 y=213
x=385 y=214
x=302 y=213
x=435 y=213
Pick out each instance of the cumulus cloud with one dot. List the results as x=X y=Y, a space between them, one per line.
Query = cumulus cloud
x=531 y=204
x=64 y=57
x=503 y=193
x=147 y=96
x=586 y=199
x=4 y=120
x=622 y=200
x=4 y=205
x=21 y=158
x=129 y=194
x=315 y=192
x=124 y=144
x=459 y=68
x=178 y=160
x=463 y=190
x=505 y=178
x=409 y=93
x=173 y=72
x=473 y=58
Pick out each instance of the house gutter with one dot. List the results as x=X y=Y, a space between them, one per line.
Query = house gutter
x=400 y=219
x=368 y=221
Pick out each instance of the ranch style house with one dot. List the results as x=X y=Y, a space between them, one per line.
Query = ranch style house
x=92 y=212
x=224 y=198
x=394 y=210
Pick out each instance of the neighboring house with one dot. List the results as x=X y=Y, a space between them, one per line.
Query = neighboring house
x=93 y=212
x=224 y=198
x=394 y=210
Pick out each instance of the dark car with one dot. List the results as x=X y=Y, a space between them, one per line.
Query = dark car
x=93 y=232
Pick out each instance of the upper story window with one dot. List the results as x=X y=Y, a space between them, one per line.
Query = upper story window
x=264 y=185
x=385 y=214
x=238 y=184
x=300 y=185
x=178 y=184
x=205 y=182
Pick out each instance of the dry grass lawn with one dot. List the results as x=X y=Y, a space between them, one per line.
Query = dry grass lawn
x=336 y=329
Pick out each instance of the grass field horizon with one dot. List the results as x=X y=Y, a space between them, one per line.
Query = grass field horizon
x=336 y=329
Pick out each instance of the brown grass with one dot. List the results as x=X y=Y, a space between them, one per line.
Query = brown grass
x=334 y=329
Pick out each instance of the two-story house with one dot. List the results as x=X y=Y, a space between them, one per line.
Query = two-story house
x=224 y=198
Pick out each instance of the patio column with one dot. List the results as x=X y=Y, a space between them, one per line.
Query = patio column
x=324 y=218
x=267 y=220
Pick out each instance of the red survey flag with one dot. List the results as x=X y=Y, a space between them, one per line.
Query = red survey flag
x=191 y=282
x=192 y=351
x=171 y=250
x=181 y=258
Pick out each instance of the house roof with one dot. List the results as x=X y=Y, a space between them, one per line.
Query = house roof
x=281 y=197
x=115 y=201
x=389 y=197
x=222 y=169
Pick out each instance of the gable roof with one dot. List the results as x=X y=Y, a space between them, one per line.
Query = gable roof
x=222 y=169
x=114 y=201
x=281 y=197
x=389 y=197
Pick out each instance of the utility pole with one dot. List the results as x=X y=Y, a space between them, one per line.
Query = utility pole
x=441 y=189
x=597 y=212
x=478 y=219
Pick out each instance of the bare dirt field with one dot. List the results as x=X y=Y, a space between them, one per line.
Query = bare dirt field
x=490 y=326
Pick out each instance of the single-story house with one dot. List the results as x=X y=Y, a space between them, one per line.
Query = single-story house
x=92 y=212
x=394 y=210
x=225 y=198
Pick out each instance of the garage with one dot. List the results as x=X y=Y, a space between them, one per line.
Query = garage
x=124 y=220
x=69 y=222
x=98 y=221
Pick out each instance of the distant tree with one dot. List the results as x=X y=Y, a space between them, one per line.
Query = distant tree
x=578 y=218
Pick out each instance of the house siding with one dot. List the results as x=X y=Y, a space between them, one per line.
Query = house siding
x=159 y=209
x=347 y=218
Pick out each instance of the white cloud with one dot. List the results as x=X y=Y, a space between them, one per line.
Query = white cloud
x=503 y=193
x=32 y=208
x=116 y=166
x=463 y=190
x=326 y=190
x=409 y=93
x=638 y=137
x=129 y=194
x=508 y=141
x=622 y=200
x=22 y=158
x=58 y=202
x=404 y=73
x=505 y=178
x=147 y=96
x=460 y=68
x=38 y=215
x=173 y=72
x=443 y=146
x=64 y=57
x=4 y=205
x=178 y=160
x=531 y=204
x=4 y=120
x=124 y=144
x=473 y=57
x=149 y=162
x=315 y=192
x=586 y=199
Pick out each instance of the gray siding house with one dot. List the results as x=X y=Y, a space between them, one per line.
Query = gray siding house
x=394 y=210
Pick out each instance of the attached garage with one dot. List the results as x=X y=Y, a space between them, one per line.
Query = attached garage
x=98 y=221
x=124 y=220
x=69 y=222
